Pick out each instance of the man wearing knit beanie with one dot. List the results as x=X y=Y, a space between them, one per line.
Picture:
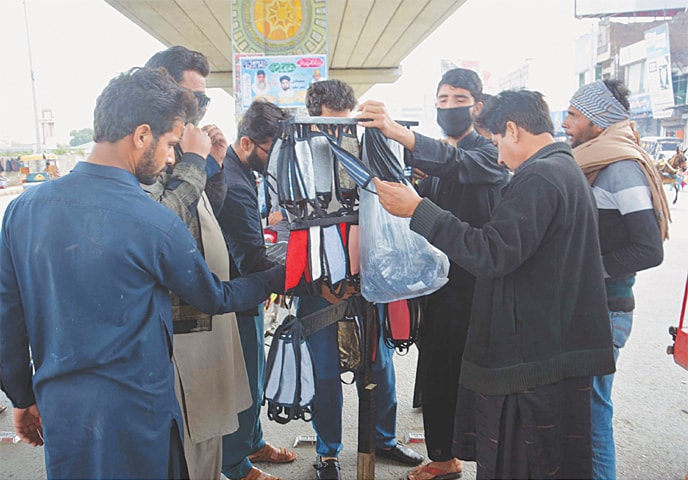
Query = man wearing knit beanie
x=633 y=222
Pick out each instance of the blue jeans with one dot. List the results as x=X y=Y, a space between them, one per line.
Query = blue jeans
x=327 y=408
x=237 y=446
x=601 y=408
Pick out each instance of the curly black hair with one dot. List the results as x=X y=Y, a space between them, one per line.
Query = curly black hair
x=140 y=96
x=333 y=94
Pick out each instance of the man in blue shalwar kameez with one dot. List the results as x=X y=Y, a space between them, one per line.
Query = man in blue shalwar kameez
x=87 y=263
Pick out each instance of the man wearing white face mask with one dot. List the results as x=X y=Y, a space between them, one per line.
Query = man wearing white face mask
x=461 y=174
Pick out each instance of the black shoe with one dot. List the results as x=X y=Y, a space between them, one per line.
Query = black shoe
x=327 y=469
x=401 y=453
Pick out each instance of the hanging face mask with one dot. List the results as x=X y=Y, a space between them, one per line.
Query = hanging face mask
x=454 y=121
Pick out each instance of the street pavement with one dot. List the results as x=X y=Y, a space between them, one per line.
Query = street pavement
x=650 y=393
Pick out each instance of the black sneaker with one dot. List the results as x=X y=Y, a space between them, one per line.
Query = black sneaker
x=328 y=469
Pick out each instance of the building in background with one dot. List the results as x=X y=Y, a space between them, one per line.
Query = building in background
x=647 y=49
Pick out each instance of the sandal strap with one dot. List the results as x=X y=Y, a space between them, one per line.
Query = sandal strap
x=434 y=473
x=258 y=474
x=270 y=453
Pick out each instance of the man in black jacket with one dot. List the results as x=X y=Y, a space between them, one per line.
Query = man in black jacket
x=241 y=225
x=539 y=329
x=461 y=175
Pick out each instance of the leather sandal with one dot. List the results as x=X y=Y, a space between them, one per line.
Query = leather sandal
x=257 y=474
x=272 y=455
x=426 y=472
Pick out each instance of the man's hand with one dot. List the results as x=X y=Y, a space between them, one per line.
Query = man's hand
x=28 y=425
x=218 y=141
x=275 y=217
x=398 y=199
x=194 y=140
x=373 y=114
x=419 y=174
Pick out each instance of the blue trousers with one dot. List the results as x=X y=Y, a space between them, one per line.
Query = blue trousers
x=237 y=446
x=601 y=408
x=327 y=409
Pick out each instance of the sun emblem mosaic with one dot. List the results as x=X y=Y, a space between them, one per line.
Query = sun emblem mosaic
x=279 y=27
x=278 y=20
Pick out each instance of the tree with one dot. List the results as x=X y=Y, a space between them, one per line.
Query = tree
x=79 y=137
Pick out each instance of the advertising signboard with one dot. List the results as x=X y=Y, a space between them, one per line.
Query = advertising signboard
x=282 y=80
x=658 y=73
x=630 y=8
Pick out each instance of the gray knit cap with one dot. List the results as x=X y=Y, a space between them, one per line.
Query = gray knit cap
x=597 y=103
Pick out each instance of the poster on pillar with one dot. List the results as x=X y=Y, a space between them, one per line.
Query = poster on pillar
x=280 y=32
x=658 y=60
x=280 y=80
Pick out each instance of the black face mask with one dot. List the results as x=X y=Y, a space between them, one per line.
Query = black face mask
x=454 y=121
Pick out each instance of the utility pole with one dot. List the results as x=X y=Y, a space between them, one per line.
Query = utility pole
x=38 y=148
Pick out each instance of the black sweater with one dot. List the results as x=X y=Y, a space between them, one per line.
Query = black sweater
x=467 y=181
x=539 y=310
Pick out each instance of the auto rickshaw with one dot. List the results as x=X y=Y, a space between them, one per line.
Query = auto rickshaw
x=37 y=168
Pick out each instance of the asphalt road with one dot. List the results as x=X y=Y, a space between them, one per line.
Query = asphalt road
x=650 y=392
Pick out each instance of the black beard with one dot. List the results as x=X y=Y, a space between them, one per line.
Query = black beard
x=143 y=169
x=254 y=162
x=148 y=180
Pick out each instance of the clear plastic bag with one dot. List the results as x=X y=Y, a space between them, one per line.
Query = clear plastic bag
x=396 y=263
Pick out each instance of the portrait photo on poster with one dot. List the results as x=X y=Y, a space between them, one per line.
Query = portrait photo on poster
x=282 y=80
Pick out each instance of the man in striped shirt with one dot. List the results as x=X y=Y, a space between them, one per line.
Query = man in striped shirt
x=633 y=219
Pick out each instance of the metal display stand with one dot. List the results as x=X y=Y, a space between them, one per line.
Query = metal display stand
x=318 y=320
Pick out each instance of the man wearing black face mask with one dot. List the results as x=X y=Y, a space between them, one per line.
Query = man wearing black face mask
x=461 y=174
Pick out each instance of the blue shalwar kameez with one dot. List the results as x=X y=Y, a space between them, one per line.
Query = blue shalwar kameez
x=87 y=261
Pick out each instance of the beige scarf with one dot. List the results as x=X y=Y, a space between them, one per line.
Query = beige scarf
x=211 y=371
x=619 y=143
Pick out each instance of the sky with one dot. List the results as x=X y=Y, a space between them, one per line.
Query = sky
x=77 y=46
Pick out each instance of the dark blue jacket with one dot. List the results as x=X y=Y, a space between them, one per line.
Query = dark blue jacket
x=88 y=261
x=240 y=221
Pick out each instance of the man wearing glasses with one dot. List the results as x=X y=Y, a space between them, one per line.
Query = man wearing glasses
x=211 y=382
x=241 y=224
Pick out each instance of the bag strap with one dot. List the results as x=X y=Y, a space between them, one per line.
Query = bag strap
x=382 y=161
x=316 y=321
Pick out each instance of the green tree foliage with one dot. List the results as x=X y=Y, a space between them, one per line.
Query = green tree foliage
x=79 y=137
